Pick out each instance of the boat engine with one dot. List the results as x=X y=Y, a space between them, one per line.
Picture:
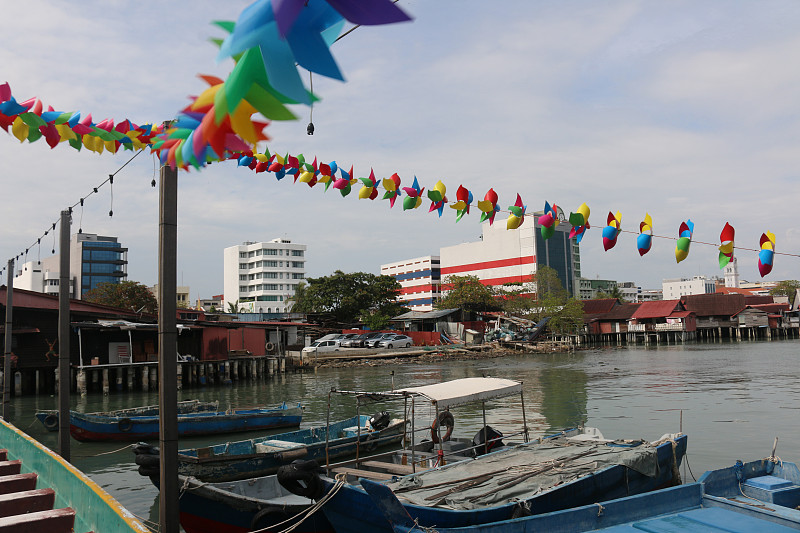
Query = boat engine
x=380 y=420
x=488 y=433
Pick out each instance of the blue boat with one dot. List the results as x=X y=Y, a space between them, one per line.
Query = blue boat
x=548 y=474
x=111 y=427
x=760 y=496
x=264 y=455
x=49 y=419
x=43 y=492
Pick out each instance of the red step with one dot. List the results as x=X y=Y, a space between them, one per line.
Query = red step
x=17 y=483
x=8 y=468
x=27 y=501
x=53 y=521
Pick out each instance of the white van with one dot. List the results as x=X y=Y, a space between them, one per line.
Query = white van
x=321 y=346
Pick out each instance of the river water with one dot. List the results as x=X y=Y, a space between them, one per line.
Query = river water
x=732 y=399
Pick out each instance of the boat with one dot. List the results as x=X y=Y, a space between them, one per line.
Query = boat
x=546 y=476
x=264 y=455
x=49 y=418
x=762 y=496
x=112 y=427
x=263 y=503
x=66 y=499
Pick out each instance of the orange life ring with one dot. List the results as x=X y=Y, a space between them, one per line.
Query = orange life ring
x=446 y=419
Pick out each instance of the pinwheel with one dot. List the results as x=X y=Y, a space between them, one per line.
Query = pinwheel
x=462 y=203
x=767 y=253
x=517 y=216
x=488 y=206
x=345 y=181
x=684 y=240
x=580 y=222
x=549 y=220
x=645 y=239
x=612 y=230
x=437 y=196
x=726 y=245
x=369 y=190
x=413 y=197
x=392 y=187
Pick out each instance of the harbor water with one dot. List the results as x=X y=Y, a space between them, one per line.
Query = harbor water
x=732 y=399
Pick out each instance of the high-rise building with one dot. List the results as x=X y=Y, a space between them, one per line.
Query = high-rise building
x=674 y=288
x=513 y=256
x=420 y=279
x=93 y=259
x=261 y=277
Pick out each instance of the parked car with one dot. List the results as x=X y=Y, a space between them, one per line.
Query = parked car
x=322 y=347
x=356 y=341
x=396 y=341
x=360 y=341
x=373 y=342
x=345 y=338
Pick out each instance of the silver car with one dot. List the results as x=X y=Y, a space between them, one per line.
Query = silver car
x=373 y=342
x=396 y=341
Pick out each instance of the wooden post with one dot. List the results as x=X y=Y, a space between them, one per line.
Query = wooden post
x=7 y=344
x=168 y=350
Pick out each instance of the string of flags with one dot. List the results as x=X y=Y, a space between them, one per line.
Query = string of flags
x=269 y=43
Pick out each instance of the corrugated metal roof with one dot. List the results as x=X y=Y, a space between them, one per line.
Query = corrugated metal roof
x=421 y=315
x=657 y=309
x=598 y=306
x=717 y=304
x=621 y=312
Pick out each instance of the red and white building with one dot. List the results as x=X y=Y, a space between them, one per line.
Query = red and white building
x=420 y=280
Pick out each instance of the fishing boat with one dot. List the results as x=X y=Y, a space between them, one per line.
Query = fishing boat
x=49 y=419
x=264 y=455
x=65 y=501
x=263 y=503
x=113 y=427
x=762 y=496
x=545 y=476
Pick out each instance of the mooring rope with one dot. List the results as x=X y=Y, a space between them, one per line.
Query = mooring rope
x=305 y=513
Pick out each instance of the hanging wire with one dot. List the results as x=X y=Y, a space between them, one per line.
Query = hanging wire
x=80 y=224
x=54 y=237
x=111 y=187
x=310 y=127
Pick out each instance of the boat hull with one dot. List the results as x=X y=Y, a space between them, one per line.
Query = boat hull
x=92 y=427
x=353 y=511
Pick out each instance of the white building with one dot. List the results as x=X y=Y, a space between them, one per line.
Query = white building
x=732 y=274
x=504 y=256
x=93 y=259
x=420 y=279
x=261 y=277
x=673 y=289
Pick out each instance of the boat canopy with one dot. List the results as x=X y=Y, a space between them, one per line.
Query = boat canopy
x=466 y=390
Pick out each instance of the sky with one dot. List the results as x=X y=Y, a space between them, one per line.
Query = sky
x=682 y=109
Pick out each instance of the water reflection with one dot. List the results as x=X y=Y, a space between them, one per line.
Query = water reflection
x=564 y=397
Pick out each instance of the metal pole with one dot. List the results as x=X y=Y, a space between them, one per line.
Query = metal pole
x=7 y=343
x=168 y=350
x=524 y=421
x=63 y=336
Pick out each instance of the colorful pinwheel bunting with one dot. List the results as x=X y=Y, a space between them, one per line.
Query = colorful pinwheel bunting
x=413 y=197
x=549 y=220
x=684 y=240
x=462 y=203
x=517 y=216
x=645 y=239
x=612 y=230
x=370 y=188
x=392 y=187
x=437 y=196
x=488 y=206
x=580 y=222
x=767 y=253
x=726 y=245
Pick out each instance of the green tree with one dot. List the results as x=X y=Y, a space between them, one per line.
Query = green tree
x=233 y=307
x=786 y=288
x=128 y=295
x=518 y=298
x=615 y=292
x=467 y=293
x=553 y=300
x=350 y=297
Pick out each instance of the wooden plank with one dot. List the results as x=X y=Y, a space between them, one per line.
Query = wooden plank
x=27 y=501
x=17 y=483
x=362 y=473
x=3 y=454
x=52 y=521
x=8 y=468
x=390 y=467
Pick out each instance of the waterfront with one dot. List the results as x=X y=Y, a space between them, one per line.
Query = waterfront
x=735 y=399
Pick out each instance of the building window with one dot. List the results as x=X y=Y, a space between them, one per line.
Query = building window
x=297 y=264
x=297 y=253
x=273 y=264
x=242 y=255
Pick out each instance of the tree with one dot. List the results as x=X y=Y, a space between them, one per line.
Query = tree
x=553 y=300
x=233 y=307
x=786 y=288
x=350 y=297
x=518 y=298
x=128 y=295
x=615 y=292
x=467 y=293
